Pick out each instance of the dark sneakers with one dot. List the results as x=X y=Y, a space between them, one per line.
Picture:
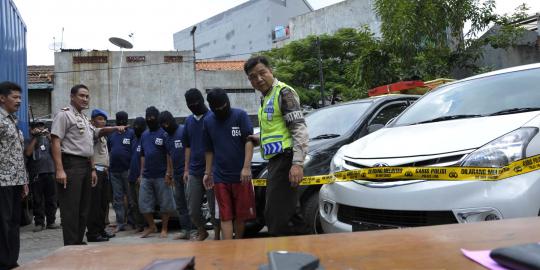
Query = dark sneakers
x=39 y=228
x=53 y=226
x=98 y=238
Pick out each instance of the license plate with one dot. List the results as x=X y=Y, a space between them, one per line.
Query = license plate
x=359 y=226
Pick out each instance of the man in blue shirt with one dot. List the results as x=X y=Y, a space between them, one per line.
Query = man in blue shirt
x=156 y=172
x=120 y=157
x=135 y=217
x=175 y=148
x=228 y=163
x=195 y=164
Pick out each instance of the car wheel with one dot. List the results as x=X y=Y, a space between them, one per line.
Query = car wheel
x=310 y=212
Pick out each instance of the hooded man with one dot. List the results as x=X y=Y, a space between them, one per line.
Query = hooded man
x=228 y=163
x=192 y=139
x=175 y=148
x=139 y=126
x=156 y=175
x=120 y=157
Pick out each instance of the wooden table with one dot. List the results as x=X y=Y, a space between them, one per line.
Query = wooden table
x=435 y=247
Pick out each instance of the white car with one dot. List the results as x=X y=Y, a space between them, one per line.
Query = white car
x=488 y=120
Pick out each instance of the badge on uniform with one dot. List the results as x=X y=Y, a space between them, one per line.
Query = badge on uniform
x=126 y=141
x=273 y=148
x=138 y=148
x=159 y=141
x=42 y=147
x=178 y=144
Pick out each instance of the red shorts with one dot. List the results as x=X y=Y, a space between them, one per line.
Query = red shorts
x=235 y=201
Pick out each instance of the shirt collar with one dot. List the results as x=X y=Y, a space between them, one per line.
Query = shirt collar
x=273 y=85
x=4 y=113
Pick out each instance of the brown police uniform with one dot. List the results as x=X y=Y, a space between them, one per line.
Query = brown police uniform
x=100 y=193
x=76 y=135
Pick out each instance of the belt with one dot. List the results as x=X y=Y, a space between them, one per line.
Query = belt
x=66 y=155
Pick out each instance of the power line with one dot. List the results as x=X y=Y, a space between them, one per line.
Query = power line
x=148 y=65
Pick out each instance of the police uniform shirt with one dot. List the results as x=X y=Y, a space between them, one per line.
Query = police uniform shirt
x=101 y=152
x=75 y=132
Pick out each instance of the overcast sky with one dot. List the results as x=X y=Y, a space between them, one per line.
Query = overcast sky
x=89 y=23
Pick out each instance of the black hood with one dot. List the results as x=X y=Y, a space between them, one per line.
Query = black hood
x=195 y=101
x=152 y=115
x=219 y=103
x=139 y=126
x=121 y=118
x=167 y=122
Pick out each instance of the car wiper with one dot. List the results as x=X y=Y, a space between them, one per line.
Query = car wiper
x=449 y=117
x=324 y=136
x=515 y=110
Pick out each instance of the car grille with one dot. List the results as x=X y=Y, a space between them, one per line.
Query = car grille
x=421 y=163
x=400 y=218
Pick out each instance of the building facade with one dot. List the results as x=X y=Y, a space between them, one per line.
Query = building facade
x=327 y=20
x=146 y=78
x=241 y=31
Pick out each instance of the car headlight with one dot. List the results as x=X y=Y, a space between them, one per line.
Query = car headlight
x=503 y=150
x=338 y=163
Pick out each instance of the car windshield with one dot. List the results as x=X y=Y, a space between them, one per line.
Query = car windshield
x=334 y=121
x=513 y=92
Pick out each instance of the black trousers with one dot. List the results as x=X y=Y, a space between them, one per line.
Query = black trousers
x=96 y=218
x=44 y=198
x=10 y=218
x=75 y=198
x=280 y=196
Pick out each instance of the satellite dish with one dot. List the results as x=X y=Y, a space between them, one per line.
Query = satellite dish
x=120 y=42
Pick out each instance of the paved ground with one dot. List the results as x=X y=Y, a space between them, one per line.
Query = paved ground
x=40 y=244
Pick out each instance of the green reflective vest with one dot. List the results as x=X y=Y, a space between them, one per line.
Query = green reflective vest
x=275 y=136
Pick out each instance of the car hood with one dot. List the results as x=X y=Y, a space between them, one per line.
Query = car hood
x=436 y=138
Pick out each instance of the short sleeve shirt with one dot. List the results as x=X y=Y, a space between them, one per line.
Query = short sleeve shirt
x=12 y=168
x=154 y=152
x=227 y=140
x=175 y=147
x=75 y=132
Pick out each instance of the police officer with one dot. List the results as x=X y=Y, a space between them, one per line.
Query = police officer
x=284 y=140
x=72 y=149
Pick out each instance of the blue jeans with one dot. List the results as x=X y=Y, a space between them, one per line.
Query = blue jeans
x=120 y=187
x=181 y=203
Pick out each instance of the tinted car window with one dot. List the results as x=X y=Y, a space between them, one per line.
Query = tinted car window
x=387 y=113
x=335 y=120
x=479 y=97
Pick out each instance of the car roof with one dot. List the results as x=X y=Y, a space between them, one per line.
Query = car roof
x=375 y=99
x=503 y=71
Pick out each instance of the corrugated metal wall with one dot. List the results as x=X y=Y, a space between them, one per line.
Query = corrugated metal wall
x=13 y=64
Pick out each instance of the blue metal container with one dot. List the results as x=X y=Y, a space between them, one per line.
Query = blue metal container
x=13 y=64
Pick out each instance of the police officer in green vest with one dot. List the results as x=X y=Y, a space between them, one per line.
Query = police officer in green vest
x=284 y=142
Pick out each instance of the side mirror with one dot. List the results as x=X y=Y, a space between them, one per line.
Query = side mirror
x=374 y=127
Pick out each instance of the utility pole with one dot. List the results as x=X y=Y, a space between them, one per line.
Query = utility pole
x=194 y=58
x=321 y=76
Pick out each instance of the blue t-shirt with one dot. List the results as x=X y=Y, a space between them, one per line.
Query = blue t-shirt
x=120 y=150
x=154 y=152
x=175 y=148
x=193 y=138
x=227 y=140
x=135 y=164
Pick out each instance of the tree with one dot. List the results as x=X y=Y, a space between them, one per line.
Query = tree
x=297 y=64
x=427 y=38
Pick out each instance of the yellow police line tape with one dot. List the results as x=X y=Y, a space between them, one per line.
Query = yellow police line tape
x=387 y=174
